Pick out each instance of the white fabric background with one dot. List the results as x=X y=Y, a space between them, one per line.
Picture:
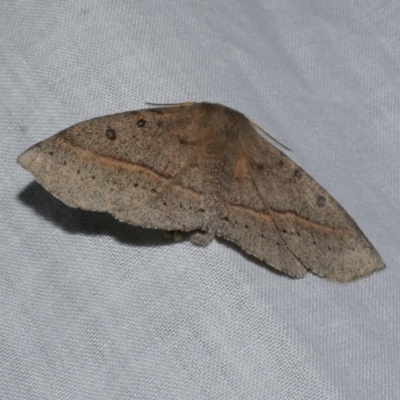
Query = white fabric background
x=94 y=309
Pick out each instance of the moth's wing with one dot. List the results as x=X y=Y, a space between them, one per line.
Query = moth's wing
x=249 y=224
x=314 y=226
x=136 y=165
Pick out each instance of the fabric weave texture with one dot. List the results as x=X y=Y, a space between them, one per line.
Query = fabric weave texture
x=92 y=308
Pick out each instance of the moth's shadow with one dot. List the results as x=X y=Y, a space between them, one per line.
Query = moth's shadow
x=76 y=220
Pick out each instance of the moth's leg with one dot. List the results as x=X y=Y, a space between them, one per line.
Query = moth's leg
x=213 y=221
x=176 y=235
x=203 y=238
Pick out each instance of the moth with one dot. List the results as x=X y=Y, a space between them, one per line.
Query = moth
x=203 y=168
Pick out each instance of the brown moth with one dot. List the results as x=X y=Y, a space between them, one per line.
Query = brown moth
x=203 y=168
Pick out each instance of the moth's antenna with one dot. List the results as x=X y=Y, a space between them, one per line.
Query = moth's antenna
x=271 y=137
x=186 y=103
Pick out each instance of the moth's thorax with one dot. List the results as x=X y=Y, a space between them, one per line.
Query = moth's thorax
x=218 y=123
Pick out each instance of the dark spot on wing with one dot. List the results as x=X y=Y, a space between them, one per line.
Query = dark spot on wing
x=297 y=174
x=111 y=134
x=183 y=141
x=321 y=200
